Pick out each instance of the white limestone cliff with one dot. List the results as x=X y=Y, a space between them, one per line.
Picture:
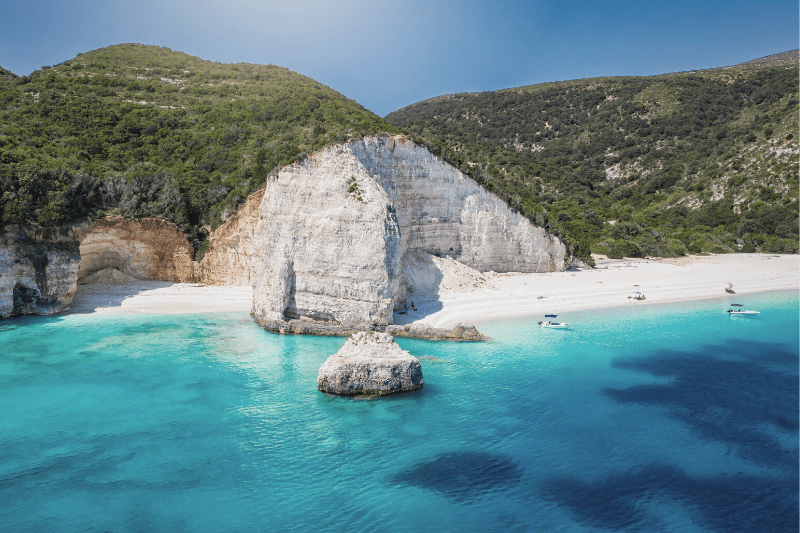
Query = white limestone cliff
x=38 y=271
x=328 y=245
x=332 y=245
x=339 y=234
x=443 y=212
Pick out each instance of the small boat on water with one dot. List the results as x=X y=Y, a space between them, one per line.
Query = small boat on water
x=737 y=310
x=551 y=324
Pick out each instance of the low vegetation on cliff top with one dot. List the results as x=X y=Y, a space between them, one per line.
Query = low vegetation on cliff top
x=701 y=161
x=141 y=130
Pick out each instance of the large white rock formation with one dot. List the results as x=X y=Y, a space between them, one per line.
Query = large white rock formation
x=335 y=233
x=443 y=212
x=370 y=363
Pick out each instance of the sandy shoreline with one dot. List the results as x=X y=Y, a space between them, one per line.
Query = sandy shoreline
x=161 y=297
x=609 y=285
x=504 y=296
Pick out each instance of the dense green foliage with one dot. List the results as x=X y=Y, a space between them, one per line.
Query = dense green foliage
x=635 y=166
x=6 y=73
x=140 y=130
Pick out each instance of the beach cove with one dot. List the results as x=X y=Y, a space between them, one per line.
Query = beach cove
x=501 y=296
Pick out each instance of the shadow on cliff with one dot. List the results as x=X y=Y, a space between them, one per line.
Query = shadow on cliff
x=91 y=297
x=423 y=278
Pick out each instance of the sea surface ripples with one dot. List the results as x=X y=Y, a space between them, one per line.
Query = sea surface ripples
x=664 y=418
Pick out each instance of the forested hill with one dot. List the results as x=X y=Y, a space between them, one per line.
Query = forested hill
x=703 y=161
x=141 y=130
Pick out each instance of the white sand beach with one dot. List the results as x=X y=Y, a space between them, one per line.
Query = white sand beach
x=161 y=297
x=608 y=285
x=503 y=295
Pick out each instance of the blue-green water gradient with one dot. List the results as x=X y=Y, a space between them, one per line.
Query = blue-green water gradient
x=655 y=418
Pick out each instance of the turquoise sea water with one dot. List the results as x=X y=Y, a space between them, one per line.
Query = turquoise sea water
x=654 y=418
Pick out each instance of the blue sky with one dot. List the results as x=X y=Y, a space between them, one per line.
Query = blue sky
x=388 y=54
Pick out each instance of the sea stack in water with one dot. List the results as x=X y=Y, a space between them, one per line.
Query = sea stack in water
x=370 y=363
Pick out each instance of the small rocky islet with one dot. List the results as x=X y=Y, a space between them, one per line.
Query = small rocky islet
x=370 y=364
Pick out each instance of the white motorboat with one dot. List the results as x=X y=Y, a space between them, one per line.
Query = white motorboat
x=737 y=310
x=551 y=324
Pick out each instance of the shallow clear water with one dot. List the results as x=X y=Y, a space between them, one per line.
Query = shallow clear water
x=655 y=418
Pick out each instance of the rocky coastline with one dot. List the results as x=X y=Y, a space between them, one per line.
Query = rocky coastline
x=460 y=332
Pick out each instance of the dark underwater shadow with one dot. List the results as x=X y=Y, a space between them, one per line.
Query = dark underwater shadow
x=726 y=398
x=462 y=476
x=742 y=394
x=731 y=503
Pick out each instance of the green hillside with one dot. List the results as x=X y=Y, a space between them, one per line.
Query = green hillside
x=141 y=130
x=703 y=161
x=6 y=74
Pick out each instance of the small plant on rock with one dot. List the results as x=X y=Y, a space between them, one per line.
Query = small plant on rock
x=354 y=190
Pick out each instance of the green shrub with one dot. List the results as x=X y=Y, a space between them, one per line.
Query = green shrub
x=621 y=249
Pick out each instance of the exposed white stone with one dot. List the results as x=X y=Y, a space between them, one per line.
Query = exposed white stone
x=334 y=232
x=443 y=212
x=429 y=276
x=327 y=245
x=38 y=274
x=370 y=363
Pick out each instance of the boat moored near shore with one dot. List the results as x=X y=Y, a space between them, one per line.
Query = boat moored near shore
x=738 y=310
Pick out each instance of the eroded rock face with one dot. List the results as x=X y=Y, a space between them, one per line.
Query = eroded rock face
x=148 y=249
x=38 y=271
x=370 y=363
x=336 y=232
x=328 y=246
x=154 y=249
x=228 y=260
x=108 y=276
x=459 y=332
x=443 y=212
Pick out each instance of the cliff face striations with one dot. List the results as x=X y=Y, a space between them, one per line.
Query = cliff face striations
x=148 y=249
x=443 y=212
x=331 y=245
x=38 y=271
x=335 y=233
x=328 y=245
x=228 y=260
x=40 y=268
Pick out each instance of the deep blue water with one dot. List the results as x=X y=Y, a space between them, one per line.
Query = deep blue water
x=654 y=418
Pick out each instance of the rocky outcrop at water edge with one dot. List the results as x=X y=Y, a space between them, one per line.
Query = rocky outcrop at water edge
x=370 y=363
x=38 y=271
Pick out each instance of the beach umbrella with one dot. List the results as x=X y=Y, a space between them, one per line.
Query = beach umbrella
x=636 y=292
